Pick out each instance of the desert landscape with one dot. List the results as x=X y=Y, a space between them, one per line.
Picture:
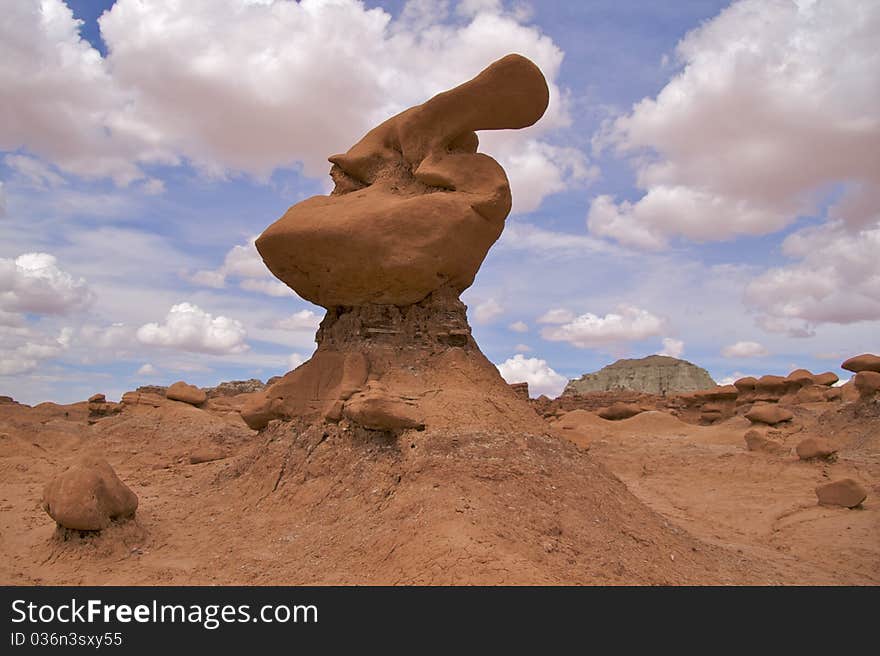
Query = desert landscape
x=397 y=452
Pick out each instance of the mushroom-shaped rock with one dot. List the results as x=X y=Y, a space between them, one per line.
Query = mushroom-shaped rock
x=812 y=448
x=867 y=383
x=756 y=441
x=800 y=378
x=181 y=391
x=88 y=496
x=415 y=207
x=770 y=388
x=617 y=411
x=768 y=414
x=863 y=362
x=720 y=393
x=811 y=394
x=746 y=384
x=846 y=492
x=376 y=409
x=827 y=379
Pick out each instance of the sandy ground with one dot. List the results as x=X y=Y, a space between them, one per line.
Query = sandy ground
x=653 y=501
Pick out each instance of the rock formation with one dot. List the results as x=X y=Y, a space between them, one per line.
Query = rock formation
x=863 y=362
x=181 y=391
x=812 y=448
x=413 y=214
x=845 y=492
x=768 y=414
x=655 y=374
x=88 y=496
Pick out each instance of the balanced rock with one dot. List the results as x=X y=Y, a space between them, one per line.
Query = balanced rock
x=180 y=391
x=617 y=411
x=413 y=213
x=770 y=388
x=863 y=362
x=812 y=448
x=827 y=379
x=846 y=492
x=768 y=414
x=800 y=378
x=756 y=441
x=415 y=207
x=868 y=384
x=88 y=496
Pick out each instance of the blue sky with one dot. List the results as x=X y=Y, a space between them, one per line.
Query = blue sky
x=705 y=182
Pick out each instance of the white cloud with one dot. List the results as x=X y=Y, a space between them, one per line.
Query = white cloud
x=23 y=348
x=35 y=172
x=187 y=327
x=672 y=347
x=523 y=348
x=519 y=327
x=765 y=87
x=216 y=82
x=306 y=320
x=835 y=279
x=744 y=350
x=147 y=369
x=557 y=315
x=527 y=237
x=627 y=324
x=243 y=262
x=487 y=311
x=33 y=283
x=295 y=360
x=540 y=377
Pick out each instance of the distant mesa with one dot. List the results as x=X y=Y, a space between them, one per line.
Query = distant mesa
x=655 y=374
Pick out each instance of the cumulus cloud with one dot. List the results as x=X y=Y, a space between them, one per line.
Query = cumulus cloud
x=557 y=315
x=303 y=320
x=519 y=327
x=523 y=348
x=534 y=371
x=626 y=324
x=295 y=360
x=187 y=327
x=147 y=369
x=744 y=350
x=672 y=347
x=487 y=311
x=23 y=348
x=216 y=82
x=775 y=102
x=34 y=283
x=835 y=278
x=243 y=262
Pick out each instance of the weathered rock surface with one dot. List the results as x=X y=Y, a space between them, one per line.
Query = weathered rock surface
x=377 y=409
x=845 y=492
x=521 y=389
x=88 y=496
x=811 y=448
x=655 y=374
x=415 y=207
x=619 y=411
x=181 y=391
x=756 y=441
x=768 y=414
x=863 y=362
x=235 y=387
x=868 y=384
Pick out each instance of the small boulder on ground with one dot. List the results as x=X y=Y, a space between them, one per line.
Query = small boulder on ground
x=180 y=391
x=618 y=411
x=863 y=362
x=815 y=447
x=868 y=384
x=846 y=492
x=768 y=414
x=88 y=496
x=755 y=441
